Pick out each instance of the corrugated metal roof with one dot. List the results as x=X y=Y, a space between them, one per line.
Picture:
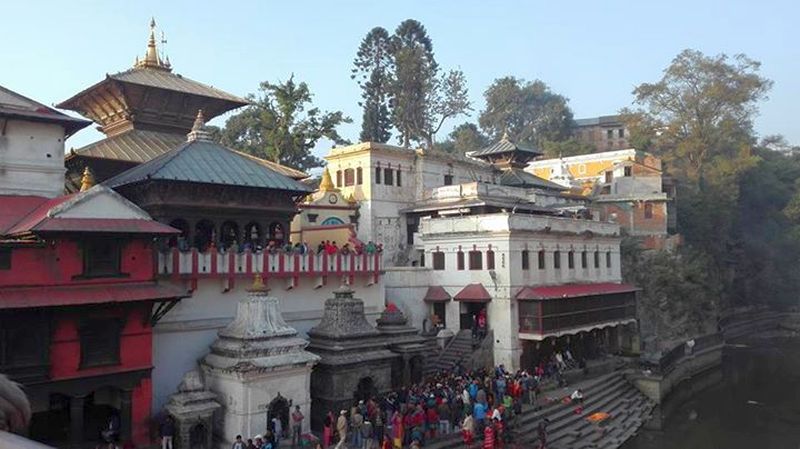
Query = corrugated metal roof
x=133 y=146
x=573 y=290
x=503 y=146
x=206 y=162
x=163 y=79
x=103 y=225
x=517 y=177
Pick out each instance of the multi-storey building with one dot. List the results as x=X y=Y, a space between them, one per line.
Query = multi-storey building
x=605 y=133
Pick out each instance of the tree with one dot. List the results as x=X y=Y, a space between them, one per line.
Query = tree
x=281 y=125
x=414 y=82
x=372 y=69
x=450 y=99
x=464 y=137
x=529 y=112
x=702 y=109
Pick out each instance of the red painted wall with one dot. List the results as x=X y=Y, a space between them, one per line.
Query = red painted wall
x=61 y=259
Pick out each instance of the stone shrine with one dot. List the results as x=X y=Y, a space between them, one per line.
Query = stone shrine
x=259 y=369
x=192 y=408
x=355 y=360
x=405 y=341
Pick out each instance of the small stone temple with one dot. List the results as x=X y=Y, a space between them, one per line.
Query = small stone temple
x=405 y=341
x=192 y=407
x=355 y=360
x=259 y=369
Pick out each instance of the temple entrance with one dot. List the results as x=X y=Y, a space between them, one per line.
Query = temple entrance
x=470 y=311
x=198 y=437
x=416 y=366
x=92 y=418
x=278 y=408
x=365 y=389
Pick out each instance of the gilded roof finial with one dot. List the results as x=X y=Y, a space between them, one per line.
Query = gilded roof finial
x=151 y=59
x=258 y=284
x=198 y=129
x=87 y=181
x=505 y=133
x=326 y=185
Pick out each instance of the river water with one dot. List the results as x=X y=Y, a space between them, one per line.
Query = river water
x=756 y=405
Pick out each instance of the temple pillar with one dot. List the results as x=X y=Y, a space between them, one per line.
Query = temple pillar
x=76 y=404
x=126 y=414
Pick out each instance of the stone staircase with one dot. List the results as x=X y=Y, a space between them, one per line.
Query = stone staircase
x=459 y=349
x=610 y=393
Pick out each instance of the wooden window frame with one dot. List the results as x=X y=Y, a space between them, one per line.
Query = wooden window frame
x=438 y=261
x=490 y=260
x=460 y=260
x=526 y=260
x=557 y=260
x=475 y=260
x=542 y=259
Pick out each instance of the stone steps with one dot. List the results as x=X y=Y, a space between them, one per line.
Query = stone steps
x=458 y=350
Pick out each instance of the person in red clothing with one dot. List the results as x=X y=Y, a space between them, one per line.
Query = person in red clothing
x=433 y=422
x=498 y=434
x=488 y=436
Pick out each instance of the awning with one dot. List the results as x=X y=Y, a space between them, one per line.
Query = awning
x=436 y=293
x=573 y=290
x=473 y=293
x=26 y=297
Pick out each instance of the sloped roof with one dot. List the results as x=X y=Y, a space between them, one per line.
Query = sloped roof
x=573 y=290
x=134 y=145
x=504 y=146
x=517 y=177
x=436 y=293
x=26 y=297
x=206 y=162
x=14 y=105
x=473 y=293
x=160 y=79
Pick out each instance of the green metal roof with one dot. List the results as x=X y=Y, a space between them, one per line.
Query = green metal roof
x=206 y=162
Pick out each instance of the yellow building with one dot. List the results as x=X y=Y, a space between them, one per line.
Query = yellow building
x=325 y=215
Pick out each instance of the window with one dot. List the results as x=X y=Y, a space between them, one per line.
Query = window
x=460 y=260
x=557 y=259
x=388 y=179
x=448 y=180
x=571 y=260
x=610 y=134
x=5 y=258
x=438 y=260
x=349 y=177
x=475 y=260
x=338 y=178
x=312 y=218
x=377 y=175
x=584 y=261
x=627 y=171
x=608 y=259
x=541 y=260
x=648 y=210
x=100 y=342
x=526 y=264
x=439 y=311
x=597 y=259
x=621 y=133
x=101 y=258
x=609 y=176
x=359 y=176
x=25 y=345
x=399 y=182
x=582 y=169
x=490 y=260
x=422 y=258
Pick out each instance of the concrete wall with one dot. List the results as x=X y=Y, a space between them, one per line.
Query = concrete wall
x=183 y=336
x=32 y=159
x=406 y=288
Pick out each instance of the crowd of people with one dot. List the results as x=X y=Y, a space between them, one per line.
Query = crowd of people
x=276 y=247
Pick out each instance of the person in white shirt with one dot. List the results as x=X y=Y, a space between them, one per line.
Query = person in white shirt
x=577 y=396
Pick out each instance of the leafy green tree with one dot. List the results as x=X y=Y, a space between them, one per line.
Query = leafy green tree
x=464 y=138
x=566 y=148
x=414 y=82
x=372 y=69
x=282 y=125
x=529 y=111
x=450 y=99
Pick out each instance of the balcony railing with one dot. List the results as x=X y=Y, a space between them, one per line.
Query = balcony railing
x=193 y=265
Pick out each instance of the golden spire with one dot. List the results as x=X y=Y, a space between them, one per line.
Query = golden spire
x=326 y=185
x=258 y=284
x=151 y=59
x=87 y=181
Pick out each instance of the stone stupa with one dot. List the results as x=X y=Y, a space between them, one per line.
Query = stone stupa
x=405 y=341
x=355 y=360
x=258 y=367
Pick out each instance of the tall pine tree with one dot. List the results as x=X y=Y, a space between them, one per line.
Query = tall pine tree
x=372 y=69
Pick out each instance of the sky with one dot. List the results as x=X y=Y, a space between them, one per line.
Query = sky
x=594 y=53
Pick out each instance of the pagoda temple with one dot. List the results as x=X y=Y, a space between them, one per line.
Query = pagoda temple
x=511 y=159
x=144 y=112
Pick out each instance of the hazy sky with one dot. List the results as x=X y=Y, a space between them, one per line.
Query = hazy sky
x=592 y=52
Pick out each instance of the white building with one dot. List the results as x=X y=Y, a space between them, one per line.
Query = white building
x=32 y=139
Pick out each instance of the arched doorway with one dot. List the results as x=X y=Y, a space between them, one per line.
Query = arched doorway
x=204 y=234
x=276 y=232
x=252 y=235
x=180 y=240
x=198 y=436
x=278 y=408
x=229 y=235
x=365 y=389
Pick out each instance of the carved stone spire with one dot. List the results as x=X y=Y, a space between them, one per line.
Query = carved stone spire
x=87 y=181
x=198 y=129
